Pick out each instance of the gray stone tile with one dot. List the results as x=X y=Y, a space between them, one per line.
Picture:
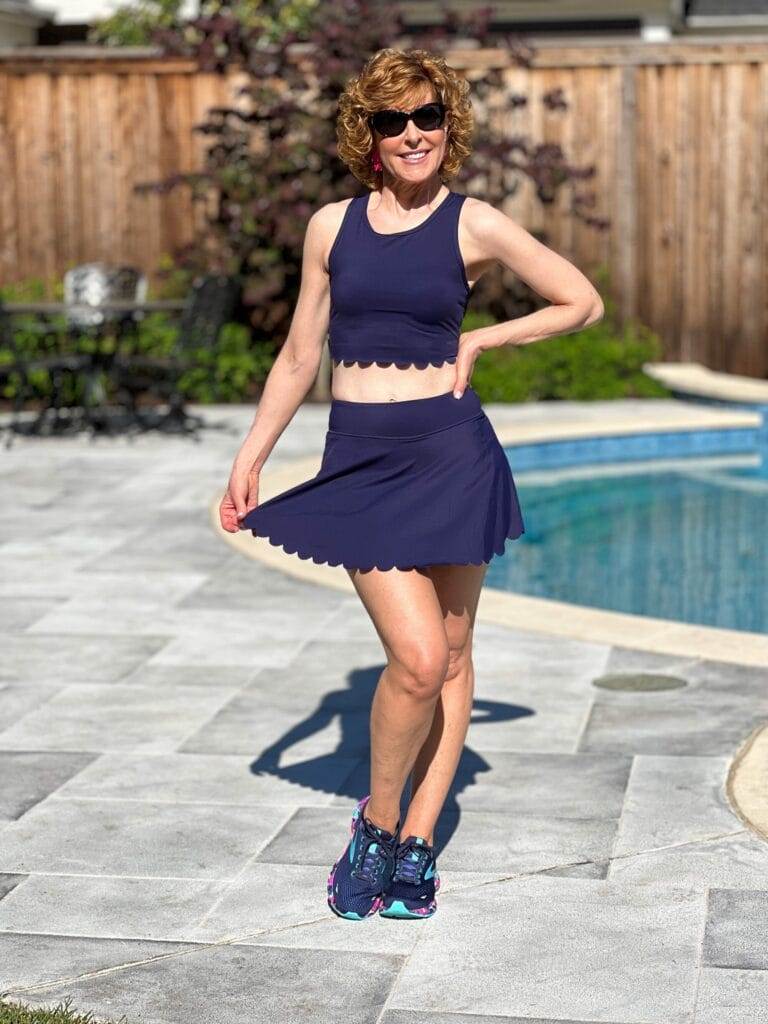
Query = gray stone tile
x=33 y=959
x=510 y=843
x=515 y=843
x=736 y=933
x=201 y=778
x=576 y=949
x=379 y=934
x=418 y=1017
x=673 y=800
x=728 y=680
x=219 y=626
x=558 y=785
x=629 y=659
x=163 y=547
x=737 y=862
x=338 y=676
x=244 y=585
x=248 y=725
x=87 y=658
x=238 y=650
x=103 y=718
x=526 y=716
x=19 y=613
x=18 y=700
x=672 y=722
x=311 y=836
x=127 y=908
x=160 y=587
x=231 y=677
x=29 y=776
x=156 y=840
x=738 y=997
x=20 y=578
x=376 y=936
x=532 y=656
x=9 y=882
x=350 y=622
x=286 y=905
x=226 y=983
x=596 y=869
x=74 y=544
x=549 y=785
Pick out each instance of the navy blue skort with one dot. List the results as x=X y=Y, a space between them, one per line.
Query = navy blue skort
x=401 y=485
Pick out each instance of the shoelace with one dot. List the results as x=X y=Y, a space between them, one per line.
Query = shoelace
x=411 y=864
x=370 y=861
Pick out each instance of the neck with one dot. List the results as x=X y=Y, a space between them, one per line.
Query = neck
x=407 y=196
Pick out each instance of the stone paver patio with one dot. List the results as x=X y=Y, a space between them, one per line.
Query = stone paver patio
x=183 y=736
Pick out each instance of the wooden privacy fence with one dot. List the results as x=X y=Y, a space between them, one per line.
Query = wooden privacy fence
x=678 y=133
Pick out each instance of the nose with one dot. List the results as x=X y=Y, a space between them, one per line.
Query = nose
x=412 y=133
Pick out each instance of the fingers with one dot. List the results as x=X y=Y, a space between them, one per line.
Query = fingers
x=228 y=514
x=241 y=497
x=463 y=373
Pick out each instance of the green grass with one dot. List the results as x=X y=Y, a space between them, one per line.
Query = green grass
x=16 y=1013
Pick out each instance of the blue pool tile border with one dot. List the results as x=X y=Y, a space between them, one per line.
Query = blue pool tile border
x=728 y=403
x=627 y=447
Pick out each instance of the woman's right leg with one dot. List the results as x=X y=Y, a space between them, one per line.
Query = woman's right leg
x=408 y=618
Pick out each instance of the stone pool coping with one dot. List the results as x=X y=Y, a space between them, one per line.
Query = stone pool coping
x=519 y=611
x=695 y=379
x=745 y=785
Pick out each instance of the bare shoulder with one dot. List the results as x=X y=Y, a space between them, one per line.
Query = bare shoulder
x=483 y=219
x=494 y=235
x=324 y=224
x=327 y=218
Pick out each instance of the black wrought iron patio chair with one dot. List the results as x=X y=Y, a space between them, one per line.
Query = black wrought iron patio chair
x=17 y=366
x=90 y=287
x=211 y=303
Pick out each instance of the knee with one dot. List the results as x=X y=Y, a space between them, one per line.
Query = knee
x=459 y=661
x=421 y=671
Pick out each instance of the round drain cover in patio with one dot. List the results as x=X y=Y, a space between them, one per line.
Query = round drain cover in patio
x=637 y=682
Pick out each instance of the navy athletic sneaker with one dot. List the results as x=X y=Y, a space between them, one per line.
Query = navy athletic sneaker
x=415 y=881
x=358 y=878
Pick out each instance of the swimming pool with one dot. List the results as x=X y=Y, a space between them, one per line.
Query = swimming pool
x=677 y=538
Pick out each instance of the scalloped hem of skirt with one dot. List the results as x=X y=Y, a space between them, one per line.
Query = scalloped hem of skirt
x=420 y=364
x=385 y=566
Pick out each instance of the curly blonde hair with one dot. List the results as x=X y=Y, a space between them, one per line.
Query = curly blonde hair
x=388 y=79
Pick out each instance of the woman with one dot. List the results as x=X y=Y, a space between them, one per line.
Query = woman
x=414 y=495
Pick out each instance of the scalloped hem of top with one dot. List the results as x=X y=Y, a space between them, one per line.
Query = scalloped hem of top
x=420 y=364
x=384 y=567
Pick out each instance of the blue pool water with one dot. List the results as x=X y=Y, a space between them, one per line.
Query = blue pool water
x=683 y=541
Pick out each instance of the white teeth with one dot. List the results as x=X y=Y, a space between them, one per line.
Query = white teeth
x=414 y=157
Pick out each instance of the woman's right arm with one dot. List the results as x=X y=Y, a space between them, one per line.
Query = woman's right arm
x=293 y=372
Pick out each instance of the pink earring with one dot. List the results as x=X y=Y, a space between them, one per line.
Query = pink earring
x=376 y=162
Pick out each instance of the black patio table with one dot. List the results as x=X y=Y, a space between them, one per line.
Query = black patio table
x=92 y=411
x=117 y=306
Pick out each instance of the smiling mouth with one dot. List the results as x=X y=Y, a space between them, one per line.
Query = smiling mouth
x=416 y=157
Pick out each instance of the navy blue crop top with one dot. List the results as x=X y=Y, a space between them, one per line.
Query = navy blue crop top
x=400 y=297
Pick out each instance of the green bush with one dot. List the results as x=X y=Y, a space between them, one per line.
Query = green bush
x=596 y=363
x=233 y=371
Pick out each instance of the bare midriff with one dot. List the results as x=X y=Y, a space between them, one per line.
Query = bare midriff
x=372 y=383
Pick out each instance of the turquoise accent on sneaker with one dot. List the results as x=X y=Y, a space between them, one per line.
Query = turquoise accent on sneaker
x=414 y=883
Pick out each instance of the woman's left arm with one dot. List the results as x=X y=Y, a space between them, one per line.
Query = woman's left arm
x=490 y=235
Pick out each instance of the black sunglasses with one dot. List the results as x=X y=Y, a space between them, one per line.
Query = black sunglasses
x=394 y=122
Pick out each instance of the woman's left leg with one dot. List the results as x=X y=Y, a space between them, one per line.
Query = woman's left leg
x=458 y=589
